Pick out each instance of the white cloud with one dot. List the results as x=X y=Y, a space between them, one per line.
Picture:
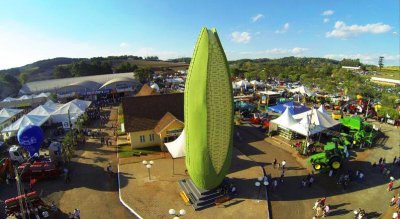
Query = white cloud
x=257 y=17
x=284 y=29
x=395 y=33
x=298 y=50
x=326 y=20
x=328 y=13
x=240 y=37
x=124 y=45
x=365 y=58
x=275 y=51
x=343 y=31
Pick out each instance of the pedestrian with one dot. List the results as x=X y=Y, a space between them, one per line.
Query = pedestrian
x=310 y=181
x=361 y=176
x=281 y=178
x=77 y=213
x=326 y=211
x=109 y=169
x=380 y=161
x=304 y=182
x=283 y=164
x=330 y=173
x=275 y=183
x=71 y=215
x=392 y=201
x=275 y=162
x=66 y=176
x=390 y=186
x=394 y=160
x=322 y=201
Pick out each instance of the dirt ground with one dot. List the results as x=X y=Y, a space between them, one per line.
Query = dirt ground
x=370 y=195
x=153 y=198
x=91 y=190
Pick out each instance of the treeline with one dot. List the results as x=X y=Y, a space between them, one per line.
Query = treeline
x=9 y=85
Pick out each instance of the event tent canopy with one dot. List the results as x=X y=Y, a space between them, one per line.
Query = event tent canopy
x=42 y=111
x=7 y=112
x=318 y=118
x=295 y=108
x=243 y=83
x=302 y=90
x=323 y=110
x=25 y=121
x=177 y=148
x=286 y=120
x=155 y=87
x=306 y=128
x=83 y=104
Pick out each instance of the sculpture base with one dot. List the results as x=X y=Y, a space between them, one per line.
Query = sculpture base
x=200 y=198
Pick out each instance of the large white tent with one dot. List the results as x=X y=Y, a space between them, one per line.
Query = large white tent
x=286 y=120
x=302 y=90
x=243 y=83
x=83 y=104
x=42 y=111
x=67 y=112
x=306 y=128
x=7 y=112
x=257 y=83
x=25 y=121
x=318 y=118
x=177 y=148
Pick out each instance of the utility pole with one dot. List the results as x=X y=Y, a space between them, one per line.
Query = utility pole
x=18 y=179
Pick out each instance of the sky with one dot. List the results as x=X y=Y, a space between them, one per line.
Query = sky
x=33 y=30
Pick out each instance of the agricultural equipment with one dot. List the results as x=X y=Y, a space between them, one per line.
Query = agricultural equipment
x=362 y=132
x=331 y=157
x=39 y=170
x=31 y=204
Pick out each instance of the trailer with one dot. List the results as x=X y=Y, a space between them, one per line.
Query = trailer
x=39 y=170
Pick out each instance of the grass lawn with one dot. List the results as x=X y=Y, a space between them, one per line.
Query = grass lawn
x=126 y=150
x=392 y=72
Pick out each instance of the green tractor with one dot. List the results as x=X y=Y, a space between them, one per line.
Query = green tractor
x=331 y=158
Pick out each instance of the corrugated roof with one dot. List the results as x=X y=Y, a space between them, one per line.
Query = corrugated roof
x=145 y=112
x=52 y=85
x=167 y=119
x=146 y=90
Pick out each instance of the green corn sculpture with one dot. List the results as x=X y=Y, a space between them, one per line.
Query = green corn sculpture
x=208 y=113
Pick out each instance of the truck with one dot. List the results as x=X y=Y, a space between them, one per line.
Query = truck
x=330 y=158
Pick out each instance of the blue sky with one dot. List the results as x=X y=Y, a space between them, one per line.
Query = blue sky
x=33 y=30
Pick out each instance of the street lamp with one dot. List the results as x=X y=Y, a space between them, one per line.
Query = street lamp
x=177 y=214
x=258 y=184
x=148 y=165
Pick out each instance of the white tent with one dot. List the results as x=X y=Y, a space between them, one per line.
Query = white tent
x=323 y=110
x=257 y=83
x=286 y=120
x=243 y=83
x=68 y=111
x=155 y=87
x=25 y=121
x=52 y=105
x=177 y=148
x=9 y=99
x=318 y=118
x=7 y=112
x=304 y=127
x=234 y=86
x=42 y=111
x=83 y=104
x=24 y=97
x=42 y=95
x=302 y=90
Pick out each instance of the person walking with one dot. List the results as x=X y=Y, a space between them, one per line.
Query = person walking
x=392 y=201
x=394 y=160
x=310 y=181
x=283 y=164
x=361 y=176
x=390 y=186
x=275 y=183
x=380 y=161
x=66 y=176
x=282 y=176
x=275 y=162
x=77 y=213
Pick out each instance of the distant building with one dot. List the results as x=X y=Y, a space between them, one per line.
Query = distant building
x=352 y=68
x=386 y=81
x=153 y=120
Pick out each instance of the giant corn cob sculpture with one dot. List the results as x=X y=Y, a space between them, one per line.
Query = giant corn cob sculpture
x=208 y=113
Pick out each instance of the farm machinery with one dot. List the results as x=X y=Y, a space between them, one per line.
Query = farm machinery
x=330 y=158
x=361 y=132
x=30 y=205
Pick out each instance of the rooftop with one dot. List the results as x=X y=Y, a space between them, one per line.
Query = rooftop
x=144 y=112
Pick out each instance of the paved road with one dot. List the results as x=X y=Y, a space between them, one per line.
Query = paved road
x=290 y=200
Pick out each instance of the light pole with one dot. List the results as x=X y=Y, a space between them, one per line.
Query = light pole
x=148 y=165
x=177 y=214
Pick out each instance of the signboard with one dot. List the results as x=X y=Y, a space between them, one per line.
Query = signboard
x=66 y=125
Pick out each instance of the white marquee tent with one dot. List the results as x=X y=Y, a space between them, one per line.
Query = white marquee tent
x=318 y=118
x=177 y=148
x=68 y=111
x=25 y=121
x=155 y=87
x=286 y=120
x=303 y=90
x=243 y=83
x=42 y=111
